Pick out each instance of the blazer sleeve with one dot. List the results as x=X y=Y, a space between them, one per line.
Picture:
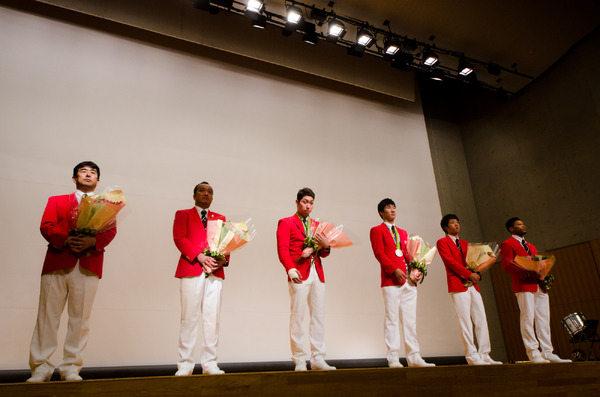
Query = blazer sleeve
x=378 y=245
x=450 y=261
x=51 y=228
x=283 y=244
x=181 y=237
x=104 y=238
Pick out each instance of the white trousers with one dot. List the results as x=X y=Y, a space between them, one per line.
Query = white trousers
x=400 y=304
x=200 y=304
x=78 y=287
x=470 y=311
x=311 y=294
x=535 y=312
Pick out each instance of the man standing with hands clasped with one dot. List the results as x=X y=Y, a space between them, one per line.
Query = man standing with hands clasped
x=399 y=290
x=534 y=303
x=70 y=275
x=200 y=286
x=306 y=279
x=463 y=288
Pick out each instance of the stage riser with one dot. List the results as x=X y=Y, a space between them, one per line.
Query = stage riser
x=576 y=379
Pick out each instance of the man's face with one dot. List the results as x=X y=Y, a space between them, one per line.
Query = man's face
x=389 y=213
x=203 y=196
x=518 y=228
x=305 y=206
x=453 y=227
x=86 y=179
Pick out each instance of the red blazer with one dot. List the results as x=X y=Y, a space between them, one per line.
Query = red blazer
x=384 y=249
x=290 y=237
x=56 y=223
x=522 y=280
x=457 y=273
x=190 y=238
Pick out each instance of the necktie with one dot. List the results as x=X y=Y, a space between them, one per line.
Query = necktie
x=203 y=213
x=458 y=245
x=526 y=246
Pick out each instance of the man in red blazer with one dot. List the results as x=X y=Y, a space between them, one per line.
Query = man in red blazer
x=534 y=303
x=200 y=286
x=71 y=271
x=463 y=288
x=306 y=280
x=399 y=291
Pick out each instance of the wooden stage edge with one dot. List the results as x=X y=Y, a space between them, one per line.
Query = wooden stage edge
x=570 y=379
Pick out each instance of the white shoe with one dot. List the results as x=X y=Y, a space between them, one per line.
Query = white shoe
x=475 y=359
x=553 y=358
x=395 y=363
x=71 y=377
x=184 y=369
x=212 y=369
x=301 y=366
x=486 y=357
x=539 y=360
x=40 y=374
x=319 y=363
x=419 y=362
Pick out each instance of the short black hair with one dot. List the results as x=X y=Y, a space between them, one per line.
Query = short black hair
x=446 y=220
x=509 y=223
x=305 y=191
x=384 y=203
x=201 y=183
x=90 y=164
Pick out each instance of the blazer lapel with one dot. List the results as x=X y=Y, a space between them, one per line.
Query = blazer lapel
x=196 y=218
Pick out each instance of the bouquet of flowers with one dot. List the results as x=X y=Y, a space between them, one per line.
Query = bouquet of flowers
x=225 y=237
x=480 y=257
x=97 y=213
x=419 y=254
x=337 y=238
x=541 y=264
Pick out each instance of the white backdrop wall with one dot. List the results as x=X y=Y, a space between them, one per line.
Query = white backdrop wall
x=158 y=122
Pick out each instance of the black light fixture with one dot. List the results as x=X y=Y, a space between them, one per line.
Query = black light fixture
x=464 y=68
x=436 y=75
x=256 y=6
x=310 y=34
x=364 y=37
x=259 y=22
x=403 y=61
x=430 y=58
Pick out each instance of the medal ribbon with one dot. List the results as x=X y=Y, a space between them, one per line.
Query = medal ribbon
x=395 y=236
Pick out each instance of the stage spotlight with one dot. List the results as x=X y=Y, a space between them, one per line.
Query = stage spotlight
x=256 y=6
x=335 y=30
x=430 y=58
x=364 y=37
x=294 y=15
x=391 y=46
x=310 y=34
x=260 y=22
x=436 y=75
x=464 y=68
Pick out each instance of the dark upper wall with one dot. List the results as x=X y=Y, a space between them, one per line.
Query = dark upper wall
x=536 y=156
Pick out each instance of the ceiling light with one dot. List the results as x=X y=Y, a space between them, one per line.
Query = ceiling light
x=255 y=6
x=464 y=68
x=364 y=37
x=391 y=46
x=430 y=58
x=335 y=29
x=294 y=15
